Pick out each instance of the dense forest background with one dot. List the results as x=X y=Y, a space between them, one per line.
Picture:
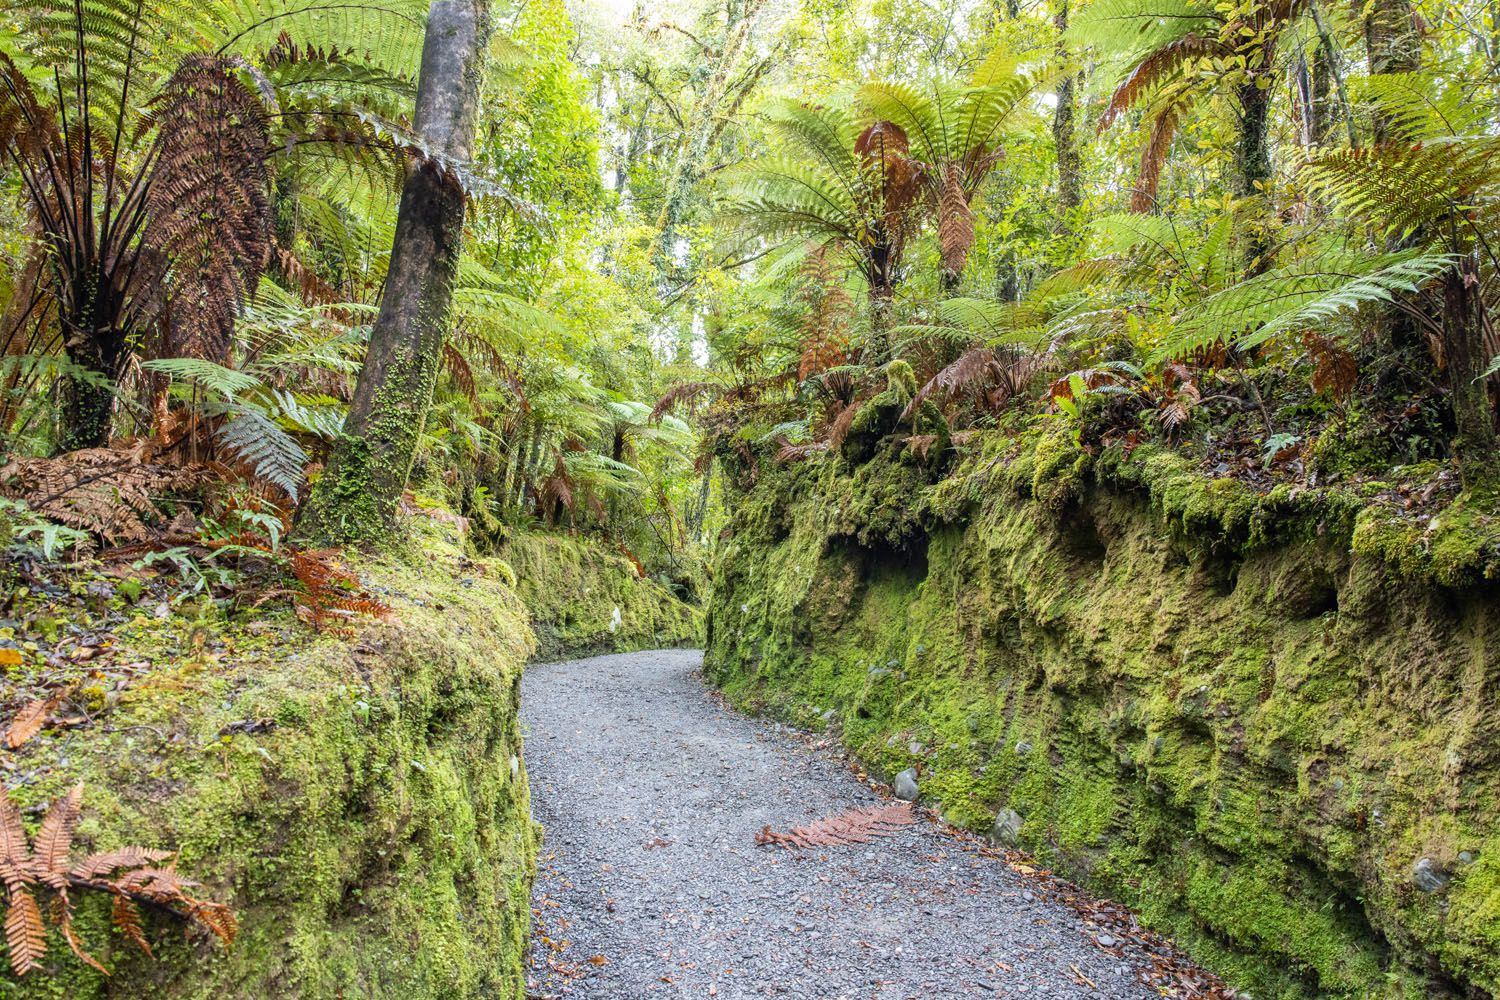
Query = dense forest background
x=1263 y=233
x=325 y=311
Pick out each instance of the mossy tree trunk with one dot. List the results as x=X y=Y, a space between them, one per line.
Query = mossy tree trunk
x=1393 y=43
x=356 y=498
x=92 y=340
x=1069 y=160
x=1252 y=160
x=733 y=78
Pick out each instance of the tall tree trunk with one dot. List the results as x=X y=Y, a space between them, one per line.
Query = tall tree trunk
x=1252 y=163
x=1320 y=98
x=881 y=299
x=1394 y=45
x=697 y=512
x=712 y=112
x=633 y=149
x=1252 y=160
x=1069 y=161
x=356 y=498
x=1008 y=277
x=1463 y=353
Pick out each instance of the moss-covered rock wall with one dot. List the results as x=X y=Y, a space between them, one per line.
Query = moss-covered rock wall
x=586 y=599
x=360 y=802
x=1217 y=705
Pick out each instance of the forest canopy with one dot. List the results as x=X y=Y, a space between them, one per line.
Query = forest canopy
x=700 y=236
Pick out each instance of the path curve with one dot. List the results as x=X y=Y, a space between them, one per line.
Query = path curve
x=651 y=793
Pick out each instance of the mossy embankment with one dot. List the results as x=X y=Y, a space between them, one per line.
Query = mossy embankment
x=586 y=599
x=361 y=802
x=1269 y=721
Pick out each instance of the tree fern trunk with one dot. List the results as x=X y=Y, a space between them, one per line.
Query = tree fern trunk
x=87 y=406
x=356 y=498
x=86 y=415
x=1463 y=352
x=1252 y=160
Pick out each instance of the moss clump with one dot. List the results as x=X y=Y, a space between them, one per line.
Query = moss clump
x=371 y=828
x=1459 y=547
x=1220 y=705
x=585 y=599
x=343 y=504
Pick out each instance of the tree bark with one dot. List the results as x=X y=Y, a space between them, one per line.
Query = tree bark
x=1069 y=161
x=88 y=406
x=1394 y=45
x=356 y=499
x=1474 y=445
x=1252 y=161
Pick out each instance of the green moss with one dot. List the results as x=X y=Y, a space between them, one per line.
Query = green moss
x=585 y=599
x=1211 y=702
x=375 y=842
x=1057 y=471
x=1458 y=547
x=343 y=505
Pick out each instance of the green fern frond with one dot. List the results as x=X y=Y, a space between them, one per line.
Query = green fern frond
x=274 y=455
x=1307 y=294
x=216 y=378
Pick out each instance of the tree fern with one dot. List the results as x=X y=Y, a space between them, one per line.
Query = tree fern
x=216 y=378
x=1306 y=294
x=274 y=455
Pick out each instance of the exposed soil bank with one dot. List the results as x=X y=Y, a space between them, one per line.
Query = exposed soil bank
x=1270 y=722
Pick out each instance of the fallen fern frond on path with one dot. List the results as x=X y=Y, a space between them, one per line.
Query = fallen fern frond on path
x=857 y=826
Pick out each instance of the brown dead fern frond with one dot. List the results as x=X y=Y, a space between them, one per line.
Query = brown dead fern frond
x=789 y=452
x=1154 y=158
x=824 y=323
x=105 y=491
x=955 y=220
x=31 y=718
x=330 y=590
x=127 y=874
x=685 y=396
x=209 y=202
x=857 y=826
x=842 y=424
x=1335 y=368
x=458 y=368
x=1156 y=67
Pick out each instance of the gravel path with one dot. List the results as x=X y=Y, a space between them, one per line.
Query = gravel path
x=651 y=794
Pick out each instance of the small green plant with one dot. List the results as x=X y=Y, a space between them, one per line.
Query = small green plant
x=1277 y=444
x=36 y=534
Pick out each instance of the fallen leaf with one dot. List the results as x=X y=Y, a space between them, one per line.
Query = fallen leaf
x=31 y=718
